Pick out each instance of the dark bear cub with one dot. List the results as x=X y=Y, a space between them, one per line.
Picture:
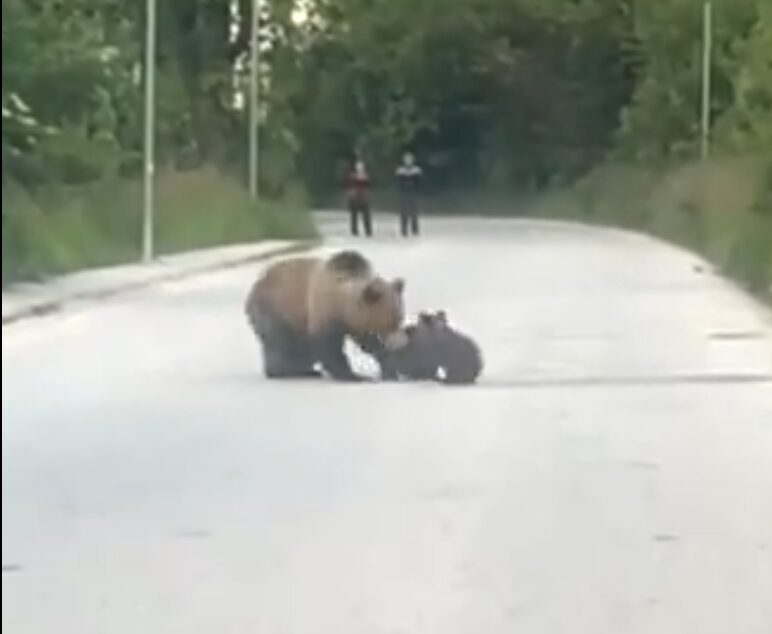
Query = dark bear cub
x=430 y=350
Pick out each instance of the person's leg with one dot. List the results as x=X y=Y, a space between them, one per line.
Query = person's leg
x=403 y=218
x=414 y=216
x=353 y=218
x=367 y=218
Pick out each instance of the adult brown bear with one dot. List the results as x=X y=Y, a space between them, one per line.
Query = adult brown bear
x=303 y=308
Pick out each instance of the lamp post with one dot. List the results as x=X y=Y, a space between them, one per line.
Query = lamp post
x=707 y=53
x=149 y=150
x=254 y=94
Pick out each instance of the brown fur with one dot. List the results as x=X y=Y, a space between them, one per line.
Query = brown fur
x=303 y=308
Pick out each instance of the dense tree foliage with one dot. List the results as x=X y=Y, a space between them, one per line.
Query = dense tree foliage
x=514 y=92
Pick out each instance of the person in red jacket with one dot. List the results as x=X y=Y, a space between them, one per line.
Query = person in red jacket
x=358 y=198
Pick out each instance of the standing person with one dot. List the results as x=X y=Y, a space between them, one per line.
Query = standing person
x=409 y=176
x=358 y=183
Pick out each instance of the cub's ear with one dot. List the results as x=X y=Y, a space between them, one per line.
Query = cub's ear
x=371 y=293
x=398 y=285
x=442 y=316
x=425 y=317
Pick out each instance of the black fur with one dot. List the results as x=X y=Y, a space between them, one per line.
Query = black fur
x=286 y=352
x=329 y=346
x=434 y=352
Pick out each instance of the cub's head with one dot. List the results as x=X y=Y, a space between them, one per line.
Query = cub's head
x=427 y=329
x=432 y=321
x=378 y=307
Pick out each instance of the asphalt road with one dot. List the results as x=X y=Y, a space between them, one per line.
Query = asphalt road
x=610 y=474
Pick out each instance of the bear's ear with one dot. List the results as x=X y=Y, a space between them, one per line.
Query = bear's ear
x=371 y=293
x=425 y=317
x=398 y=285
x=442 y=317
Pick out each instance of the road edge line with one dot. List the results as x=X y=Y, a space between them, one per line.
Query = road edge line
x=49 y=307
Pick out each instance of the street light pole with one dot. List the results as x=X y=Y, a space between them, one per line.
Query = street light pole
x=149 y=159
x=707 y=53
x=253 y=101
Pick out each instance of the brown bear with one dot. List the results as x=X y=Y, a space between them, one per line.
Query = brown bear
x=303 y=308
x=430 y=350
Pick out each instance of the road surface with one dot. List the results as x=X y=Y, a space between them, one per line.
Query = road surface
x=610 y=474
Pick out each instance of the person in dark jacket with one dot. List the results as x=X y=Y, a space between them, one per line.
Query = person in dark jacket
x=409 y=176
x=358 y=198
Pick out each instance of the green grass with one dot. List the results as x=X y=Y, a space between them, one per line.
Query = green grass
x=749 y=257
x=721 y=209
x=63 y=229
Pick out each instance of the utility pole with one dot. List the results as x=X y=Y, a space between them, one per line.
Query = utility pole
x=254 y=94
x=707 y=54
x=149 y=159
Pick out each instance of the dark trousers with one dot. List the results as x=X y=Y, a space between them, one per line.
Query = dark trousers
x=356 y=209
x=408 y=216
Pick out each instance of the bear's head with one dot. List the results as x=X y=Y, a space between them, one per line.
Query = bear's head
x=379 y=307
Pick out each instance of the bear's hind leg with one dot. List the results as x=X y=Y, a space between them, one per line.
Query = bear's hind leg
x=287 y=354
x=281 y=363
